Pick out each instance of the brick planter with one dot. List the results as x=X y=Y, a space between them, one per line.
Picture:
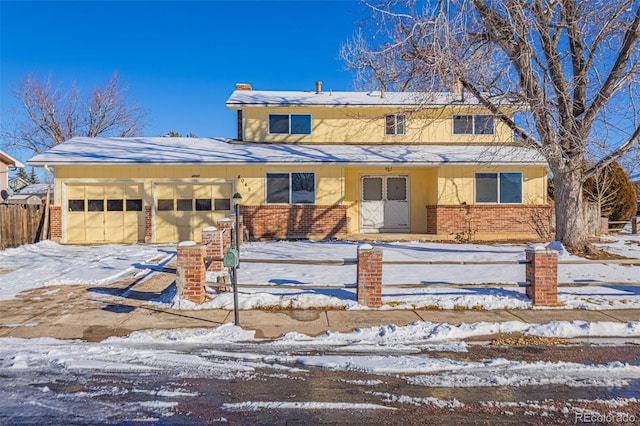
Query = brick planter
x=542 y=275
x=369 y=281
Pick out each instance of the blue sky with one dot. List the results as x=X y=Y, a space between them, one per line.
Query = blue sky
x=180 y=59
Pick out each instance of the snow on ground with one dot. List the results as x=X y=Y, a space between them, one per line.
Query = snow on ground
x=592 y=286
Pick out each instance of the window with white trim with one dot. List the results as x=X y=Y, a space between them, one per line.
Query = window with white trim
x=473 y=125
x=291 y=188
x=394 y=124
x=290 y=124
x=498 y=187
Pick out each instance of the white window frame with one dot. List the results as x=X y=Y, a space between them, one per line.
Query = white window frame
x=289 y=124
x=266 y=188
x=473 y=125
x=395 y=125
x=498 y=201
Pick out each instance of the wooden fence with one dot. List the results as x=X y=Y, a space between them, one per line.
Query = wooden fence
x=20 y=224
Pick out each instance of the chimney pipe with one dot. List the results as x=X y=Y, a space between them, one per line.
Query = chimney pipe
x=243 y=86
x=318 y=87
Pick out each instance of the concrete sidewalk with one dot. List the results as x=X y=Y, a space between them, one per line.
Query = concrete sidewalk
x=94 y=313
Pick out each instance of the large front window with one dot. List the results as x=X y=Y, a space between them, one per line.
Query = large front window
x=290 y=124
x=502 y=188
x=291 y=188
x=472 y=124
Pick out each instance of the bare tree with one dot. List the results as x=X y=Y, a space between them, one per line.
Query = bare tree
x=572 y=63
x=49 y=115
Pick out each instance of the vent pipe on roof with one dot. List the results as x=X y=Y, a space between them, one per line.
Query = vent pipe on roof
x=243 y=86
x=318 y=87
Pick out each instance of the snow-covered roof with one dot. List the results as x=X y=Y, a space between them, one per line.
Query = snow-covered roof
x=217 y=151
x=263 y=98
x=9 y=160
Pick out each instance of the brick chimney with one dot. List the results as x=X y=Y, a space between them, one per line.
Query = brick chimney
x=318 y=87
x=243 y=86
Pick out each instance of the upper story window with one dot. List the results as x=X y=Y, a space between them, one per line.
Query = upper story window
x=290 y=124
x=473 y=124
x=291 y=188
x=394 y=124
x=501 y=188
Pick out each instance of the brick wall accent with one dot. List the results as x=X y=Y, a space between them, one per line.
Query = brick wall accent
x=369 y=280
x=55 y=223
x=190 y=272
x=148 y=224
x=499 y=219
x=297 y=221
x=542 y=275
x=212 y=240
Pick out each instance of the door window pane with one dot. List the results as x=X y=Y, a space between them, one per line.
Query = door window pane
x=278 y=188
x=372 y=189
x=165 y=205
x=134 y=205
x=76 y=205
x=185 y=205
x=95 y=205
x=222 y=204
x=115 y=205
x=203 y=204
x=303 y=188
x=397 y=189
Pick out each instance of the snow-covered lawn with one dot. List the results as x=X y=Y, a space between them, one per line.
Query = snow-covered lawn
x=492 y=286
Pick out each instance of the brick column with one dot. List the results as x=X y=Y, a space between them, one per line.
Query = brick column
x=55 y=223
x=191 y=274
x=542 y=275
x=212 y=240
x=635 y=224
x=148 y=224
x=369 y=281
x=225 y=225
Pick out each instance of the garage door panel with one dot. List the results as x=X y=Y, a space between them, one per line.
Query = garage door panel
x=184 y=222
x=110 y=222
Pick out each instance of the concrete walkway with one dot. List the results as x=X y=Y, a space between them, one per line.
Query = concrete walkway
x=94 y=313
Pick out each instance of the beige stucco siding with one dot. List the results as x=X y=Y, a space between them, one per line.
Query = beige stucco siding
x=367 y=125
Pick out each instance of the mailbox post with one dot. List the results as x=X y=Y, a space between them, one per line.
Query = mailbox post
x=235 y=252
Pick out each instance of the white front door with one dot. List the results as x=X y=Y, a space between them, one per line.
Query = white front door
x=385 y=204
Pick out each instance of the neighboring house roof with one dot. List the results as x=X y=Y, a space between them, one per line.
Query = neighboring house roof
x=9 y=160
x=218 y=151
x=17 y=183
x=33 y=200
x=39 y=189
x=263 y=98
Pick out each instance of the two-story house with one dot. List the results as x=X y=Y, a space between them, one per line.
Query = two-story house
x=310 y=164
